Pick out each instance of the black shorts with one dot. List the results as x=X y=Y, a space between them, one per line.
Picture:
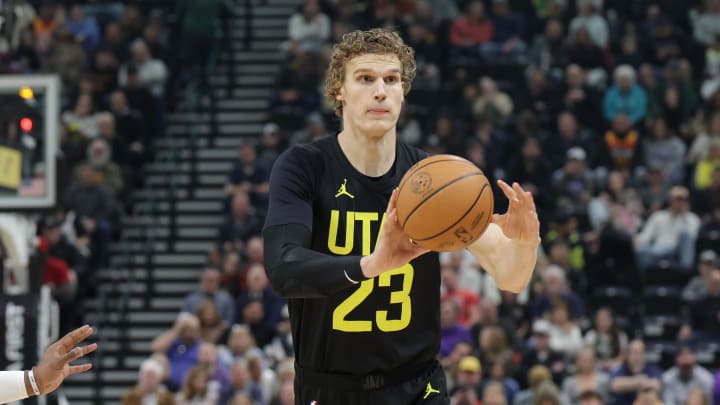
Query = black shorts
x=424 y=385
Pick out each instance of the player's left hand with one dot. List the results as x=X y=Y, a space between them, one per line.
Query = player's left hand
x=520 y=222
x=55 y=366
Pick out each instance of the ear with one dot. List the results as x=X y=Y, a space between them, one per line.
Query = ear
x=339 y=96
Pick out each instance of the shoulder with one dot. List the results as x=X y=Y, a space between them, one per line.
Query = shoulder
x=301 y=157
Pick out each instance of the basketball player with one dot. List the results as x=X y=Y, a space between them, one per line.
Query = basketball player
x=364 y=301
x=53 y=368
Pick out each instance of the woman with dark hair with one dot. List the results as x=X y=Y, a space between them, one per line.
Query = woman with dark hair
x=608 y=340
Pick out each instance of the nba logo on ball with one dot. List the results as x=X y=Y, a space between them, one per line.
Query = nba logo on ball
x=444 y=203
x=421 y=183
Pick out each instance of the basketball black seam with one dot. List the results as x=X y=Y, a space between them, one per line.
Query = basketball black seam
x=482 y=190
x=455 y=180
x=410 y=172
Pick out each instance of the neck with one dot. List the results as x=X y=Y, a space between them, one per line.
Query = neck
x=370 y=156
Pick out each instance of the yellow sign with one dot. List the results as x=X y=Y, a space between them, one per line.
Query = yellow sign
x=10 y=165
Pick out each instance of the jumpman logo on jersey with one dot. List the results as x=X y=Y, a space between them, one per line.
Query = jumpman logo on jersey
x=430 y=390
x=343 y=190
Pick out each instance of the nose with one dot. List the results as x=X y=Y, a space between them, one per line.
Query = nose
x=380 y=91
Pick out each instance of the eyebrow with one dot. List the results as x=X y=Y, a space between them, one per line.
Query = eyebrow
x=363 y=70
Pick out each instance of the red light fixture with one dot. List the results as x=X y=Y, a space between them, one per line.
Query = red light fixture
x=26 y=124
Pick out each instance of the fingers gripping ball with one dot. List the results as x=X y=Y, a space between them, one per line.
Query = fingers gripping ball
x=444 y=203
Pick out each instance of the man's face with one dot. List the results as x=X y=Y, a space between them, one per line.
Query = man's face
x=372 y=93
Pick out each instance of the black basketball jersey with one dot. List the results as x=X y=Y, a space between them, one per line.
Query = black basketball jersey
x=379 y=324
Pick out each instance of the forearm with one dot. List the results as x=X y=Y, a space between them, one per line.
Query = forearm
x=14 y=386
x=295 y=271
x=161 y=343
x=510 y=262
x=624 y=384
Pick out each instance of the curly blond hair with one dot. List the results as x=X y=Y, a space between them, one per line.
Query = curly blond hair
x=356 y=43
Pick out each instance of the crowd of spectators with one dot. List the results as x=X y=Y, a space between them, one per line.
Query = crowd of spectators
x=118 y=79
x=608 y=111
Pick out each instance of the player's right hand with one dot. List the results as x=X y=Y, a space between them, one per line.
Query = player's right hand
x=394 y=248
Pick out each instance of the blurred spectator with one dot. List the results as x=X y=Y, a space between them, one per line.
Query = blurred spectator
x=212 y=327
x=565 y=336
x=209 y=288
x=540 y=353
x=592 y=20
x=149 y=389
x=654 y=190
x=493 y=104
x=308 y=29
x=243 y=222
x=499 y=372
x=241 y=344
x=99 y=156
x=678 y=381
x=706 y=167
x=152 y=73
x=590 y=398
x=249 y=175
x=469 y=377
x=259 y=307
x=697 y=286
x=536 y=377
x=314 y=129
x=587 y=377
x=492 y=345
x=92 y=206
x=82 y=117
x=85 y=29
x=705 y=312
x=264 y=378
x=663 y=148
x=706 y=23
x=669 y=234
x=469 y=32
x=494 y=394
x=701 y=144
x=271 y=144
x=198 y=24
x=488 y=316
x=281 y=347
x=617 y=206
x=466 y=299
x=45 y=24
x=508 y=37
x=240 y=385
x=585 y=54
x=66 y=58
x=625 y=96
x=181 y=344
x=452 y=331
x=549 y=52
x=708 y=200
x=555 y=290
x=607 y=339
x=581 y=99
x=217 y=373
x=635 y=376
x=573 y=184
x=196 y=389
x=621 y=144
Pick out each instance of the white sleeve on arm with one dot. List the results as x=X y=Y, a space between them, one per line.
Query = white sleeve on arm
x=509 y=262
x=12 y=386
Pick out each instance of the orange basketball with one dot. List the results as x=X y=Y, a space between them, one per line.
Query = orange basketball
x=445 y=203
